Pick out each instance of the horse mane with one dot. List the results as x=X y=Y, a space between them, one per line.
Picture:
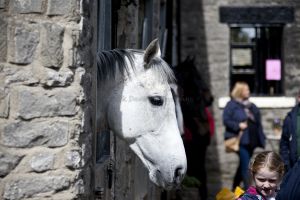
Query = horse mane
x=108 y=62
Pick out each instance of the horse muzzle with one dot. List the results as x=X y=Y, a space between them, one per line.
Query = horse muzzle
x=166 y=180
x=164 y=158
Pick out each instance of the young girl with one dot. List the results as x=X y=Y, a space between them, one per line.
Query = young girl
x=267 y=171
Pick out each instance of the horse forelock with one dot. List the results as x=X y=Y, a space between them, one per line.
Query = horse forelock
x=162 y=69
x=108 y=62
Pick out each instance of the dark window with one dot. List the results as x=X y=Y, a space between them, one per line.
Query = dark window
x=106 y=41
x=147 y=23
x=256 y=58
x=163 y=31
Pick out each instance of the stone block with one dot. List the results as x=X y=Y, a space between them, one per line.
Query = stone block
x=8 y=162
x=58 y=78
x=17 y=74
x=39 y=103
x=4 y=104
x=23 y=188
x=82 y=186
x=51 y=49
x=73 y=159
x=87 y=149
x=3 y=39
x=42 y=162
x=23 y=43
x=2 y=4
x=27 y=6
x=58 y=7
x=79 y=186
x=37 y=133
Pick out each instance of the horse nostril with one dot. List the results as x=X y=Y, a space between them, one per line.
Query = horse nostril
x=178 y=174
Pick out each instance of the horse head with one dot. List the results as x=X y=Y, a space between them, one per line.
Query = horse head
x=140 y=109
x=192 y=82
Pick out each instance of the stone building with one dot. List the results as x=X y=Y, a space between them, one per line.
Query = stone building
x=49 y=145
x=215 y=33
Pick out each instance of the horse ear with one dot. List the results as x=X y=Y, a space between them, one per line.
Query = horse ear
x=152 y=51
x=193 y=59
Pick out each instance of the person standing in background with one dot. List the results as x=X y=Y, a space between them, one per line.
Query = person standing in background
x=242 y=115
x=290 y=137
x=196 y=98
x=290 y=186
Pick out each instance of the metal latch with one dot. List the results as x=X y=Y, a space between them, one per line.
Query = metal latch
x=110 y=170
x=99 y=193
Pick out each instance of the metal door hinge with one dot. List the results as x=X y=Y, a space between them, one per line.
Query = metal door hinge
x=99 y=193
x=110 y=173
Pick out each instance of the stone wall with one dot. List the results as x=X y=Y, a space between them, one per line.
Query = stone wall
x=205 y=37
x=46 y=62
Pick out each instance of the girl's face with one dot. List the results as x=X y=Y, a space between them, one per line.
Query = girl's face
x=245 y=92
x=266 y=181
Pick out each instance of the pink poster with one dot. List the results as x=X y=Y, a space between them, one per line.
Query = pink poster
x=273 y=69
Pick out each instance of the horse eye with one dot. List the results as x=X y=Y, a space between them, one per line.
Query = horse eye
x=156 y=101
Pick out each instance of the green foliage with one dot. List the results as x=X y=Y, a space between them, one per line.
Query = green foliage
x=190 y=182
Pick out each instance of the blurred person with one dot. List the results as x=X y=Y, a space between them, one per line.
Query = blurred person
x=290 y=137
x=242 y=115
x=196 y=98
x=290 y=186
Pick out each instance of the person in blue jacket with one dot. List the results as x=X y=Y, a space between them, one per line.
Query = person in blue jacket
x=242 y=115
x=290 y=138
x=290 y=186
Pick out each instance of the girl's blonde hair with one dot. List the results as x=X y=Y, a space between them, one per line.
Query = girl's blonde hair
x=268 y=159
x=238 y=89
